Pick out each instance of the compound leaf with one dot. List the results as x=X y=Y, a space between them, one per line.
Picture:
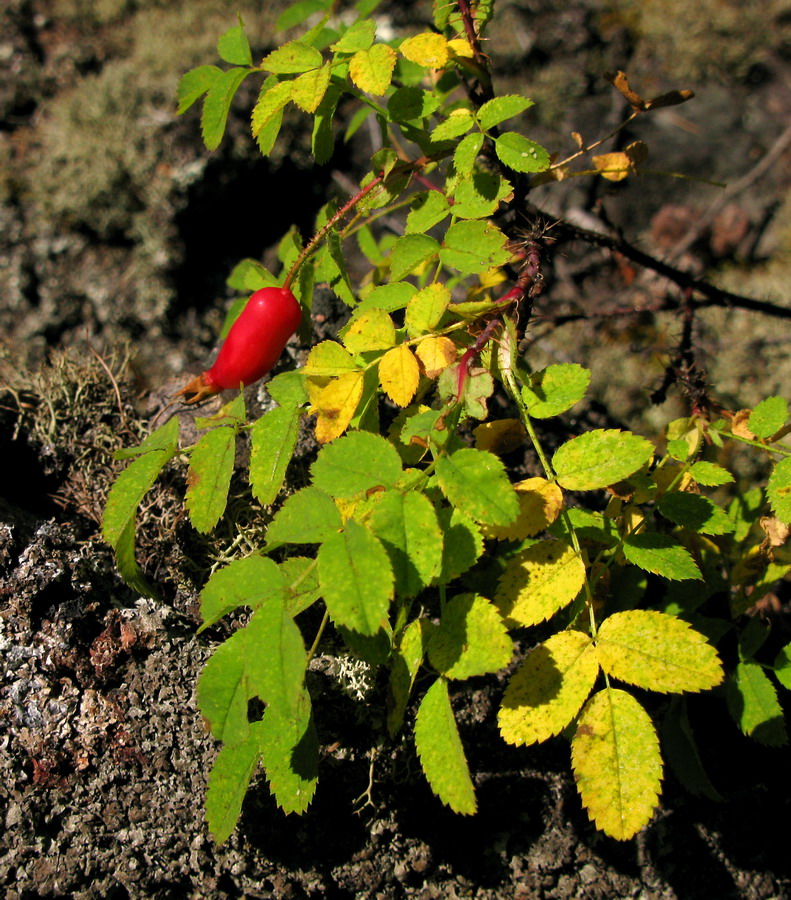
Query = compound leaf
x=501 y=108
x=555 y=389
x=548 y=689
x=399 y=374
x=696 y=513
x=371 y=70
x=356 y=578
x=768 y=417
x=599 y=458
x=440 y=750
x=289 y=748
x=471 y=639
x=656 y=651
x=228 y=782
x=539 y=581
x=244 y=582
x=209 y=477
x=407 y=526
x=307 y=517
x=778 y=489
x=752 y=701
x=274 y=437
x=617 y=764
x=476 y=483
x=356 y=463
x=217 y=103
x=662 y=555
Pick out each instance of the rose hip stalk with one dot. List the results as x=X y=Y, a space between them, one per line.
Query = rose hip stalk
x=253 y=346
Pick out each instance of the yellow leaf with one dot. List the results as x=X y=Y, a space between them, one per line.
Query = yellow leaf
x=436 y=354
x=371 y=70
x=425 y=309
x=548 y=689
x=329 y=358
x=336 y=406
x=617 y=764
x=613 y=166
x=500 y=435
x=399 y=374
x=540 y=503
x=371 y=330
x=314 y=385
x=427 y=49
x=460 y=47
x=656 y=651
x=538 y=582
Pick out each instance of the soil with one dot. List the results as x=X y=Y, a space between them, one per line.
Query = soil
x=117 y=230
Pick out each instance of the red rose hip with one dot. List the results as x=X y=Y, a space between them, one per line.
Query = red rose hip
x=253 y=345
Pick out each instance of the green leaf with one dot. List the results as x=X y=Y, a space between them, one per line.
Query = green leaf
x=696 y=513
x=297 y=12
x=307 y=517
x=209 y=477
x=389 y=297
x=474 y=247
x=479 y=195
x=476 y=483
x=289 y=748
x=710 y=474
x=752 y=701
x=599 y=458
x=466 y=153
x=277 y=659
x=356 y=578
x=657 y=652
x=274 y=437
x=292 y=58
x=248 y=276
x=270 y=103
x=617 y=764
x=458 y=123
x=407 y=657
x=428 y=209
x=358 y=36
x=228 y=782
x=249 y=581
x=778 y=490
x=768 y=417
x=660 y=554
x=223 y=691
x=520 y=154
x=440 y=750
x=426 y=308
x=501 y=108
x=410 y=252
x=555 y=389
x=301 y=578
x=407 y=526
x=355 y=463
x=782 y=666
x=323 y=139
x=216 y=105
x=136 y=479
x=409 y=103
x=234 y=47
x=194 y=84
x=462 y=546
x=287 y=389
x=681 y=752
x=548 y=689
x=538 y=581
x=471 y=639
